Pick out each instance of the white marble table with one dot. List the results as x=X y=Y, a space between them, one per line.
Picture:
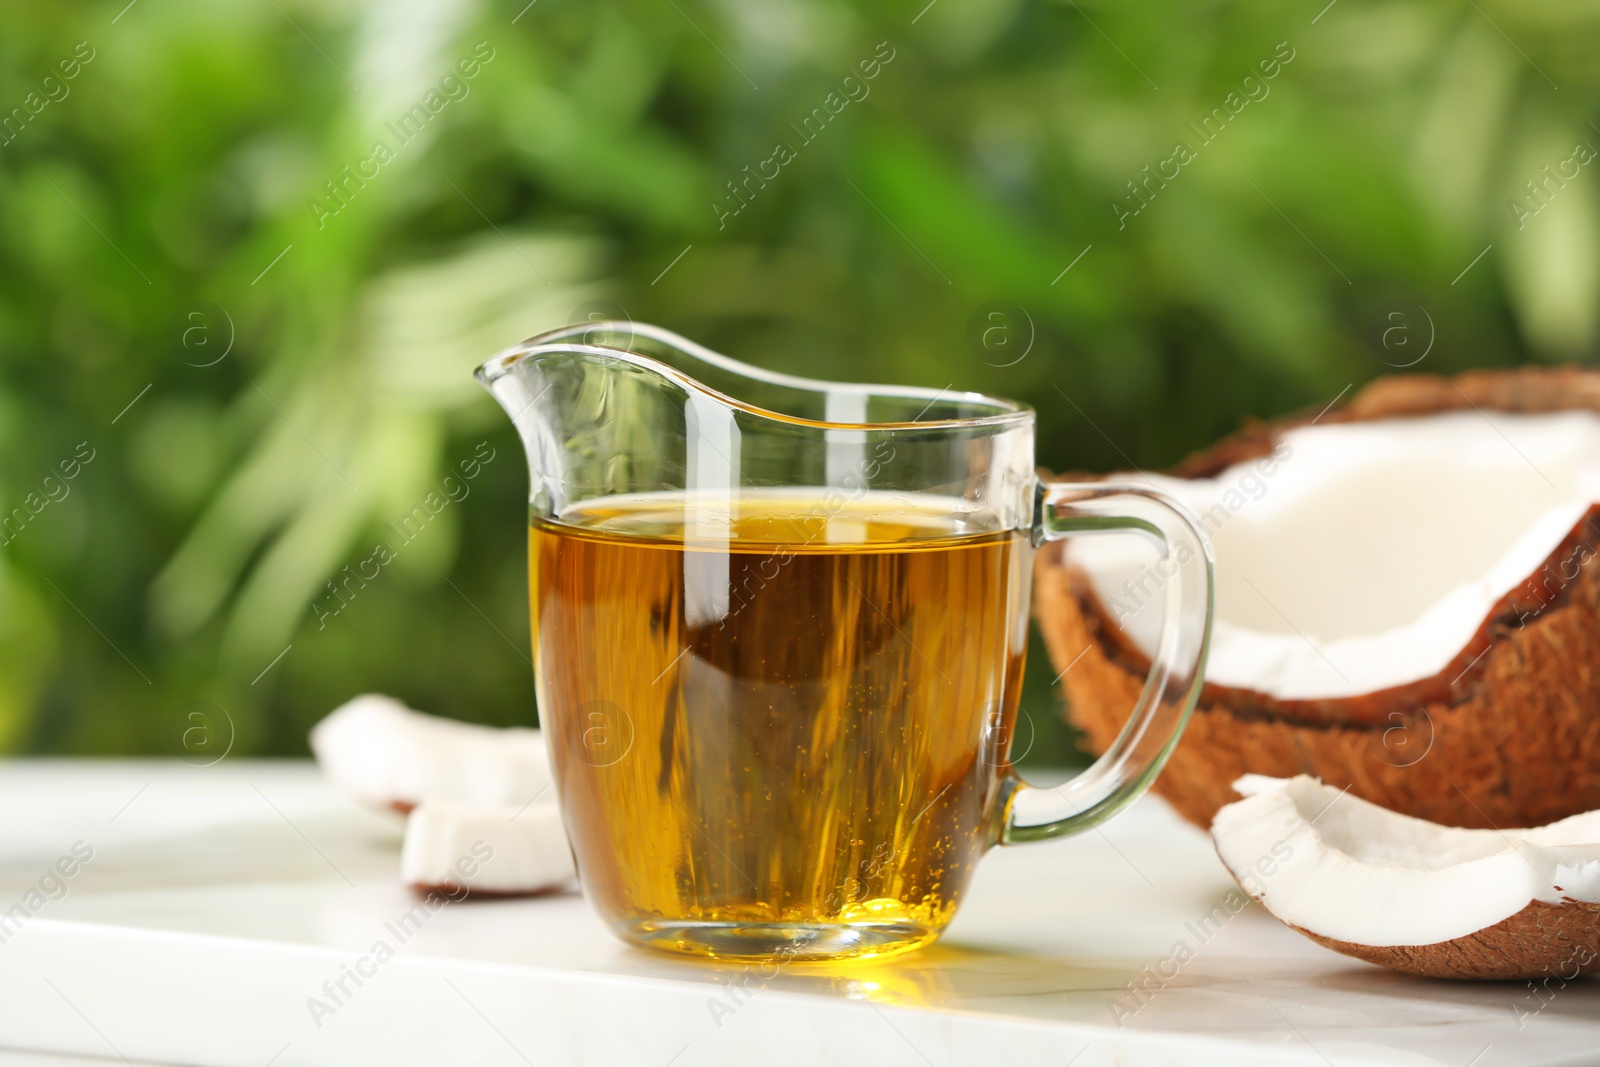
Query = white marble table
x=219 y=900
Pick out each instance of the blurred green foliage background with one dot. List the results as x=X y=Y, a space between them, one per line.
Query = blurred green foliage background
x=264 y=381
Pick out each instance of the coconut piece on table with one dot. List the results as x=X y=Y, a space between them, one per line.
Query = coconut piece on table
x=382 y=753
x=1412 y=895
x=1407 y=602
x=488 y=849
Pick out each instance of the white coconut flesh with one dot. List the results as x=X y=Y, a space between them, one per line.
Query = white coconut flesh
x=1334 y=865
x=380 y=752
x=485 y=848
x=1365 y=555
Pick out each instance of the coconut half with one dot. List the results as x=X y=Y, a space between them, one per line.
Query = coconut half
x=1412 y=895
x=1407 y=603
x=382 y=753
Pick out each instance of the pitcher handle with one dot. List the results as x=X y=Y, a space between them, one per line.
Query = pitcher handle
x=1134 y=759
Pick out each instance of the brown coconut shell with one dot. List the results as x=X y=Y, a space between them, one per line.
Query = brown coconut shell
x=1552 y=941
x=1507 y=735
x=456 y=892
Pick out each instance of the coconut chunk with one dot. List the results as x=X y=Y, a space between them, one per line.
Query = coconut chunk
x=1362 y=556
x=382 y=753
x=1413 y=894
x=491 y=849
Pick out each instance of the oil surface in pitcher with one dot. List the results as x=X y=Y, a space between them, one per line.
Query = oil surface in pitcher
x=779 y=721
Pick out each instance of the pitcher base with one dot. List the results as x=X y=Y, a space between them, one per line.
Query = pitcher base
x=780 y=942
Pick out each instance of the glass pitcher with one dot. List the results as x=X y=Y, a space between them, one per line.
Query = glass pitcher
x=778 y=639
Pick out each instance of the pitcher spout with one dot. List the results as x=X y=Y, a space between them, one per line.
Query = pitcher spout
x=618 y=408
